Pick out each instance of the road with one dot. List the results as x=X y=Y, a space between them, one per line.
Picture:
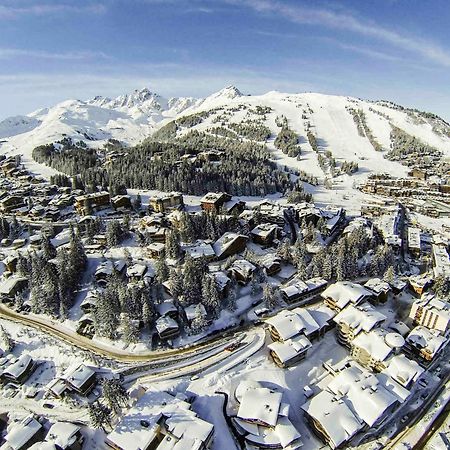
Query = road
x=55 y=329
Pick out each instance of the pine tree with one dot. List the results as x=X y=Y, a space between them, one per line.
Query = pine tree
x=113 y=233
x=130 y=332
x=48 y=249
x=442 y=286
x=192 y=279
x=210 y=295
x=200 y=322
x=269 y=296
x=99 y=415
x=6 y=343
x=162 y=270
x=389 y=275
x=172 y=248
x=137 y=204
x=115 y=394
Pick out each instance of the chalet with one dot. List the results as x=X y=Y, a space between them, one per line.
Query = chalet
x=136 y=272
x=10 y=203
x=353 y=320
x=192 y=311
x=96 y=200
x=297 y=289
x=338 y=295
x=89 y=302
x=65 y=436
x=199 y=249
x=379 y=288
x=80 y=379
x=242 y=270
x=156 y=249
x=432 y=313
x=160 y=421
x=233 y=207
x=19 y=370
x=265 y=233
x=167 y=308
x=18 y=243
x=271 y=212
x=24 y=434
x=213 y=201
x=290 y=352
x=397 y=286
x=222 y=282
x=10 y=262
x=271 y=263
x=12 y=286
x=121 y=201
x=85 y=326
x=229 y=244
x=419 y=284
x=424 y=344
x=163 y=202
x=167 y=328
x=262 y=418
x=106 y=269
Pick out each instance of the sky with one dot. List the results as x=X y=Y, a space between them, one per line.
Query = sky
x=53 y=50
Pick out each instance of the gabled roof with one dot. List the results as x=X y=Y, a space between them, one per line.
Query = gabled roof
x=360 y=318
x=289 y=349
x=261 y=405
x=344 y=292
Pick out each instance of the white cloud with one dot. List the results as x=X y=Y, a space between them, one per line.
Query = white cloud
x=9 y=53
x=11 y=11
x=349 y=22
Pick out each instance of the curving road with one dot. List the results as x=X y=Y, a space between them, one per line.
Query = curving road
x=55 y=329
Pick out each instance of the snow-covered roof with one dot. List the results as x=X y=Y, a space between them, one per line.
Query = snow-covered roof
x=426 y=339
x=188 y=429
x=263 y=230
x=414 y=238
x=360 y=318
x=287 y=323
x=138 y=428
x=289 y=349
x=21 y=365
x=260 y=405
x=165 y=323
x=21 y=433
x=136 y=270
x=322 y=315
x=62 y=434
x=225 y=241
x=78 y=374
x=191 y=311
x=344 y=292
x=403 y=370
x=335 y=417
x=374 y=343
x=6 y=286
x=441 y=261
x=166 y=307
x=244 y=267
x=362 y=391
x=377 y=286
x=199 y=249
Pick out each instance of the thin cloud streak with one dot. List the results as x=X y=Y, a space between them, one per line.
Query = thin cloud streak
x=345 y=21
x=50 y=8
x=11 y=53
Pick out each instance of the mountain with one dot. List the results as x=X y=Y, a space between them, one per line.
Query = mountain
x=337 y=122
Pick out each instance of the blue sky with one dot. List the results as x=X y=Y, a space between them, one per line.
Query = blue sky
x=52 y=50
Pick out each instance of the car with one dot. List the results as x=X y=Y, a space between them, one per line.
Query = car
x=48 y=405
x=423 y=382
x=404 y=418
x=232 y=347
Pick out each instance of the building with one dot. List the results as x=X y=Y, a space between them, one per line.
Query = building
x=23 y=434
x=11 y=286
x=213 y=201
x=297 y=289
x=441 y=261
x=373 y=349
x=414 y=246
x=355 y=319
x=19 y=370
x=432 y=313
x=338 y=295
x=261 y=418
x=167 y=328
x=419 y=284
x=136 y=272
x=265 y=233
x=161 y=203
x=161 y=421
x=200 y=249
x=64 y=436
x=271 y=263
x=351 y=400
x=291 y=351
x=403 y=370
x=379 y=288
x=242 y=270
x=80 y=379
x=95 y=201
x=230 y=244
x=424 y=344
x=121 y=201
x=156 y=249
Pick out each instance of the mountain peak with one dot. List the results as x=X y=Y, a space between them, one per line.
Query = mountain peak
x=228 y=92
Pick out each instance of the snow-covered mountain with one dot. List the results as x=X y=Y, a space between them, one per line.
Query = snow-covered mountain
x=132 y=117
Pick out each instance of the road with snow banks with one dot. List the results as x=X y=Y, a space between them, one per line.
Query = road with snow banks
x=55 y=329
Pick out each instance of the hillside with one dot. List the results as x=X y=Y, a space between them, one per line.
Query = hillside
x=345 y=131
